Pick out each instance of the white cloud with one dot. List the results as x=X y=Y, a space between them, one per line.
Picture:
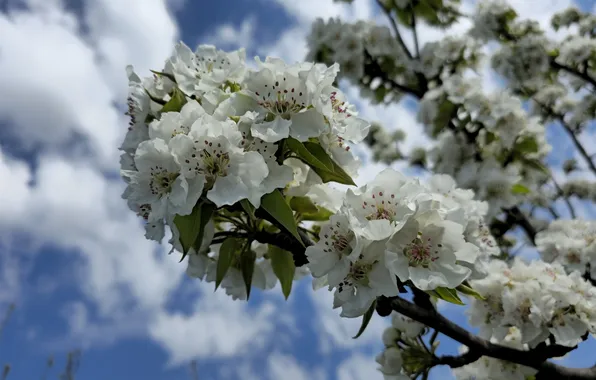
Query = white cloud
x=228 y=36
x=285 y=367
x=62 y=84
x=217 y=327
x=336 y=332
x=358 y=367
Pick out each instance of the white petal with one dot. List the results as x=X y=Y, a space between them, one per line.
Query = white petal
x=309 y=123
x=272 y=131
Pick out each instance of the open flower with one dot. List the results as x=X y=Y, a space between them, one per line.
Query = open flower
x=283 y=97
x=211 y=154
x=158 y=182
x=426 y=250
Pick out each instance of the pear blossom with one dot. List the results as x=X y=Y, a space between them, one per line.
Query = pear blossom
x=212 y=155
x=361 y=281
x=159 y=183
x=284 y=98
x=426 y=250
x=171 y=124
x=379 y=208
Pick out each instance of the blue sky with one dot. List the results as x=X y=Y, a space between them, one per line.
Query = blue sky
x=74 y=259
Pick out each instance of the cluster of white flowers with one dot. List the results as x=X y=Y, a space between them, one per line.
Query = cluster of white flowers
x=448 y=56
x=489 y=19
x=571 y=243
x=578 y=51
x=348 y=44
x=487 y=368
x=525 y=62
x=208 y=126
x=541 y=299
x=430 y=234
x=402 y=332
x=505 y=129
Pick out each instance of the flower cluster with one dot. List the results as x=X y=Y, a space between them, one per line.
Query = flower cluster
x=495 y=369
x=432 y=235
x=571 y=243
x=207 y=127
x=498 y=127
x=539 y=298
x=395 y=362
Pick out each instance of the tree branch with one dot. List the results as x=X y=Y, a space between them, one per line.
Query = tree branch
x=414 y=32
x=288 y=242
x=574 y=72
x=479 y=347
x=395 y=28
x=520 y=219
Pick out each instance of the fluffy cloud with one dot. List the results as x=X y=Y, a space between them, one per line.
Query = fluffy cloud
x=336 y=333
x=358 y=367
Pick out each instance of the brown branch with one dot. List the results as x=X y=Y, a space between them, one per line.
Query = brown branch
x=572 y=71
x=288 y=242
x=479 y=347
x=395 y=28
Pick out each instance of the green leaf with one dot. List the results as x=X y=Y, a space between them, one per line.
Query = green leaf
x=446 y=294
x=336 y=173
x=227 y=252
x=366 y=319
x=275 y=205
x=518 y=188
x=299 y=148
x=247 y=266
x=321 y=215
x=527 y=145
x=315 y=156
x=192 y=227
x=162 y=74
x=466 y=289
x=536 y=165
x=248 y=208
x=303 y=205
x=444 y=116
x=176 y=102
x=283 y=266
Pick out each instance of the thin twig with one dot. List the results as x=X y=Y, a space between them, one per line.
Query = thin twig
x=395 y=28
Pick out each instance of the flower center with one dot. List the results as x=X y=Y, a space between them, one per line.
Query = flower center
x=215 y=165
x=421 y=252
x=381 y=207
x=358 y=275
x=281 y=101
x=161 y=182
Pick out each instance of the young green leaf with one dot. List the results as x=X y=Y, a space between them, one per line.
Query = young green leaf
x=366 y=319
x=518 y=188
x=162 y=74
x=446 y=294
x=466 y=289
x=303 y=205
x=248 y=208
x=275 y=205
x=247 y=266
x=527 y=145
x=175 y=103
x=227 y=252
x=192 y=227
x=299 y=148
x=336 y=174
x=283 y=266
x=321 y=215
x=315 y=156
